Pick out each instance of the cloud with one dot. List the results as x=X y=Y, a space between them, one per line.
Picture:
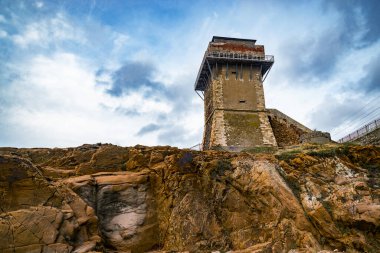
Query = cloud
x=46 y=32
x=371 y=82
x=341 y=114
x=148 y=129
x=313 y=56
x=359 y=16
x=178 y=135
x=56 y=100
x=131 y=77
x=333 y=112
x=131 y=112
x=39 y=4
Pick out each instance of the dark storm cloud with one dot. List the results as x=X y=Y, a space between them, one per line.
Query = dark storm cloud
x=368 y=11
x=371 y=82
x=316 y=58
x=131 y=77
x=148 y=129
x=360 y=30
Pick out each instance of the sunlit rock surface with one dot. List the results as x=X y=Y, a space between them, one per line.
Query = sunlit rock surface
x=105 y=198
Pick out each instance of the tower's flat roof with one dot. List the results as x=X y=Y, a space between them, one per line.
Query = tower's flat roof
x=229 y=38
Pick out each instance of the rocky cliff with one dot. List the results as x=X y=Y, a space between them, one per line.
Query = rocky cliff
x=107 y=198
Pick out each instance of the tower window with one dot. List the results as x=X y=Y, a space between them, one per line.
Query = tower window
x=242 y=101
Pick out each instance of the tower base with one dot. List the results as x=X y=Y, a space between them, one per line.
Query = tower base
x=236 y=130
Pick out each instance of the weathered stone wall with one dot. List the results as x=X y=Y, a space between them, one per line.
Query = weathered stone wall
x=372 y=138
x=285 y=119
x=234 y=103
x=218 y=131
x=266 y=130
x=285 y=134
x=213 y=100
x=242 y=87
x=316 y=137
x=234 y=108
x=286 y=130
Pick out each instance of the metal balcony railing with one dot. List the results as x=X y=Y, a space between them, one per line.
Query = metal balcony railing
x=239 y=56
x=361 y=131
x=212 y=57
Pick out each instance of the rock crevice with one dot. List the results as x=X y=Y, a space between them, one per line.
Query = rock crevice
x=164 y=199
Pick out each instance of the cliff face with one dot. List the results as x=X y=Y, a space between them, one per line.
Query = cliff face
x=112 y=199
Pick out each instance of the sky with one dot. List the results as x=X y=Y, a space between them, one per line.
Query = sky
x=123 y=72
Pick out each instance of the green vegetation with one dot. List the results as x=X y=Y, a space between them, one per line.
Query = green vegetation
x=286 y=156
x=255 y=150
x=324 y=153
x=318 y=151
x=343 y=150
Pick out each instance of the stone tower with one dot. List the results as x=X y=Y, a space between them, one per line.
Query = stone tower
x=230 y=80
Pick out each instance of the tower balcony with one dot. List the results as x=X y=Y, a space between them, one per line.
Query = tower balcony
x=212 y=58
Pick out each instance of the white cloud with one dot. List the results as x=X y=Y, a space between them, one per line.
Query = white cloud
x=49 y=31
x=58 y=103
x=39 y=4
x=2 y=19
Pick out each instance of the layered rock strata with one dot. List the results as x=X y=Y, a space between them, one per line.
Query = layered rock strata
x=107 y=198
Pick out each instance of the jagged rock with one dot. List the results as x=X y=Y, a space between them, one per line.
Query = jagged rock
x=38 y=216
x=162 y=199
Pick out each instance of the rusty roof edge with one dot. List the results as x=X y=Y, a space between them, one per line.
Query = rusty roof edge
x=230 y=38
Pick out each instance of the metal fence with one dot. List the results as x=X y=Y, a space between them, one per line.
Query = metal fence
x=361 y=131
x=239 y=56
x=197 y=147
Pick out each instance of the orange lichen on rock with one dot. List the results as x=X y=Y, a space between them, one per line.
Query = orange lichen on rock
x=163 y=199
